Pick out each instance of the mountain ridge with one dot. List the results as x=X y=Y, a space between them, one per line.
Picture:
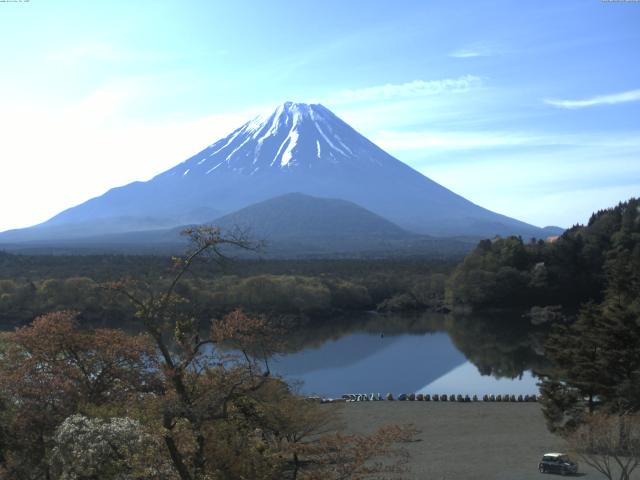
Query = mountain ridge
x=312 y=215
x=290 y=226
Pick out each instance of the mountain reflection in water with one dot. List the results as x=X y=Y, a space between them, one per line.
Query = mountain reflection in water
x=369 y=363
x=466 y=379
x=403 y=354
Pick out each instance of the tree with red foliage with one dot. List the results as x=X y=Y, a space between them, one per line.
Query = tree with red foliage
x=51 y=369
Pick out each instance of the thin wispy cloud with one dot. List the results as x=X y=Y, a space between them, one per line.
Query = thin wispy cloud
x=472 y=140
x=416 y=88
x=452 y=140
x=467 y=53
x=473 y=51
x=611 y=99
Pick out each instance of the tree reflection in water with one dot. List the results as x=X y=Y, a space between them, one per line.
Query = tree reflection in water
x=406 y=352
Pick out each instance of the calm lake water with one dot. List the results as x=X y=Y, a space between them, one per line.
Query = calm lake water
x=396 y=363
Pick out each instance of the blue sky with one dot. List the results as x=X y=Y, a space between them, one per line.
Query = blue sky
x=528 y=108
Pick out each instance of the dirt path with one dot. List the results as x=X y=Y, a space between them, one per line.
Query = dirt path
x=474 y=441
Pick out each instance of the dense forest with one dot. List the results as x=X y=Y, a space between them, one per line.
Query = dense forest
x=34 y=285
x=578 y=266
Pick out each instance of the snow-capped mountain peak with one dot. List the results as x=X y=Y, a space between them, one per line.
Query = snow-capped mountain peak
x=294 y=135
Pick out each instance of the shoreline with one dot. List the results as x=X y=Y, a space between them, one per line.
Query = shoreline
x=420 y=397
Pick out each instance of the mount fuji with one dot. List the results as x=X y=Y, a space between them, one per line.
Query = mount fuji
x=298 y=148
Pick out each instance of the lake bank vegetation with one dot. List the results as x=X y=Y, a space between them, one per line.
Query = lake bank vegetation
x=308 y=288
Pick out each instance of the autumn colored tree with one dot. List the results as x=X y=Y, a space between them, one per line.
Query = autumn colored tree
x=201 y=385
x=51 y=369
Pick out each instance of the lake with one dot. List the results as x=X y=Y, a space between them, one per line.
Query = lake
x=401 y=353
x=421 y=358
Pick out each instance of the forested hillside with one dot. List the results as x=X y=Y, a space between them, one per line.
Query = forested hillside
x=579 y=266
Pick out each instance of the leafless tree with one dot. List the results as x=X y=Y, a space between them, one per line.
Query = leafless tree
x=609 y=443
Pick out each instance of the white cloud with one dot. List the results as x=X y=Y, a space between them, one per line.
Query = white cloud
x=466 y=140
x=475 y=50
x=611 y=99
x=451 y=140
x=429 y=140
x=416 y=88
x=468 y=53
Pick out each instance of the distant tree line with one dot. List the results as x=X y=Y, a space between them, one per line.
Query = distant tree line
x=307 y=289
x=508 y=272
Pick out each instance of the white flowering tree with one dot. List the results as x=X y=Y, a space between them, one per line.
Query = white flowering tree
x=93 y=448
